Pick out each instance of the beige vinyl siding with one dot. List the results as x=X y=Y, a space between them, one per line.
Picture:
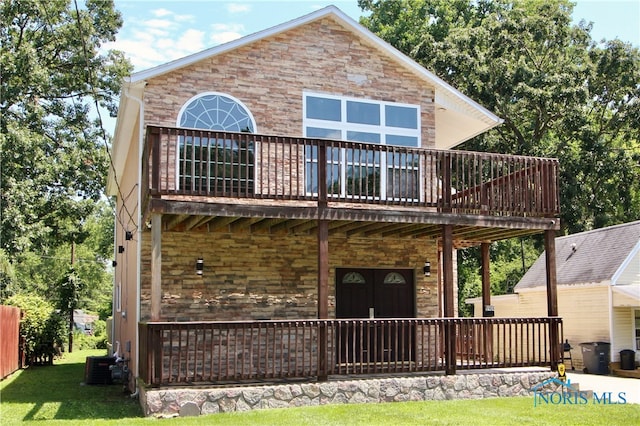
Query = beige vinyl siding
x=622 y=332
x=583 y=308
x=631 y=273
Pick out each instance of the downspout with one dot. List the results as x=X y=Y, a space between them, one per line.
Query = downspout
x=610 y=313
x=140 y=224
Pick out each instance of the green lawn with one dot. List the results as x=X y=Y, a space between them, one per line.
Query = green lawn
x=55 y=395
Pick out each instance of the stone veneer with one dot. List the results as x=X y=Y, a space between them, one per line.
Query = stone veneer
x=258 y=276
x=191 y=402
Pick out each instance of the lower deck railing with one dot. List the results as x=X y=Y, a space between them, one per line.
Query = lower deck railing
x=227 y=352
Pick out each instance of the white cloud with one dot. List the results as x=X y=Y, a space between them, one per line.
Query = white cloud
x=159 y=23
x=192 y=41
x=238 y=8
x=165 y=13
x=184 y=18
x=223 y=33
x=161 y=12
x=224 y=37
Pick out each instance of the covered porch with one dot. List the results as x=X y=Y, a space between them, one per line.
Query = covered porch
x=218 y=353
x=256 y=183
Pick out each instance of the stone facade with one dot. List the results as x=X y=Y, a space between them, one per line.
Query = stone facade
x=270 y=75
x=189 y=402
x=257 y=276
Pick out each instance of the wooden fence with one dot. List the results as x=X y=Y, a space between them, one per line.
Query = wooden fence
x=9 y=340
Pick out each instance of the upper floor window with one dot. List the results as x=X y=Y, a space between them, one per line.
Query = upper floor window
x=216 y=111
x=356 y=172
x=361 y=120
x=216 y=165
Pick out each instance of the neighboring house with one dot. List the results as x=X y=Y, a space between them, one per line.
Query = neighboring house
x=271 y=190
x=598 y=283
x=83 y=321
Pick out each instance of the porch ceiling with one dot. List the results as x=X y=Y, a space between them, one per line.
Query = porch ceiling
x=299 y=218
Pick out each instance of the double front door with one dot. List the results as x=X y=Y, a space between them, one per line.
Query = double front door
x=374 y=293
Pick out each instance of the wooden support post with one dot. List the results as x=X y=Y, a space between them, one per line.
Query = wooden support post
x=487 y=336
x=323 y=296
x=449 y=306
x=552 y=296
x=486 y=278
x=156 y=266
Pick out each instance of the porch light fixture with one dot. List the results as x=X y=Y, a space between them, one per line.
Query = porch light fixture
x=199 y=266
x=427 y=269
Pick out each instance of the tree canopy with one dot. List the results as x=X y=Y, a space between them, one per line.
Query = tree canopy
x=56 y=76
x=53 y=149
x=560 y=94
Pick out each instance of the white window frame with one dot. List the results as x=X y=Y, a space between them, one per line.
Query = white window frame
x=343 y=126
x=226 y=95
x=119 y=297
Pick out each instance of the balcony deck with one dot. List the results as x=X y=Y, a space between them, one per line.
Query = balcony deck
x=197 y=178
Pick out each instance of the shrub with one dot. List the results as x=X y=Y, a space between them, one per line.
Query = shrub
x=42 y=328
x=97 y=340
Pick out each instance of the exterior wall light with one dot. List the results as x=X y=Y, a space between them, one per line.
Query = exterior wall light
x=199 y=266
x=427 y=269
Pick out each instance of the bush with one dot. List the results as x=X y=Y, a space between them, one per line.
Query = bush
x=42 y=328
x=98 y=340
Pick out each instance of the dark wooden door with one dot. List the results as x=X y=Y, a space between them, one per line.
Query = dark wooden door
x=381 y=293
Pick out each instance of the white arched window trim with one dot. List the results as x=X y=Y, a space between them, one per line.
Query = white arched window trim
x=226 y=95
x=188 y=103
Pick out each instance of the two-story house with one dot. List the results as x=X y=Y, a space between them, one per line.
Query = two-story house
x=289 y=205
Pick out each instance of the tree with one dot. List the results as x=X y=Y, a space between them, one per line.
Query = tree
x=41 y=274
x=560 y=95
x=52 y=150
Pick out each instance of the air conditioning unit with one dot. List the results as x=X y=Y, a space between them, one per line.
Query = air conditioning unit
x=97 y=371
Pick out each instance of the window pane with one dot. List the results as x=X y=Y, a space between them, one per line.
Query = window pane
x=323 y=109
x=402 y=140
x=216 y=112
x=363 y=137
x=364 y=113
x=398 y=116
x=318 y=132
x=363 y=156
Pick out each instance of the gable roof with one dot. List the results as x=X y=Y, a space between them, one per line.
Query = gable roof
x=457 y=117
x=587 y=257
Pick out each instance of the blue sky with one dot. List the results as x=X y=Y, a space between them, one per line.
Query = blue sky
x=158 y=31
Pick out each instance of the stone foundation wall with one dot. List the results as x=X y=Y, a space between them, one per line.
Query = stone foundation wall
x=190 y=402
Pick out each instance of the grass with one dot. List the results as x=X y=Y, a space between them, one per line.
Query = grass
x=56 y=395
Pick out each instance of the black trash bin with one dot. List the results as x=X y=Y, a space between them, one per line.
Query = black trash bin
x=595 y=356
x=627 y=359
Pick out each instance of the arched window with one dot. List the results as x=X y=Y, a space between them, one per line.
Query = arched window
x=353 y=278
x=216 y=111
x=218 y=166
x=394 y=278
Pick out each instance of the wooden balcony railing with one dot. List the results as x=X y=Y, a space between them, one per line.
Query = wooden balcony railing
x=232 y=352
x=242 y=165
